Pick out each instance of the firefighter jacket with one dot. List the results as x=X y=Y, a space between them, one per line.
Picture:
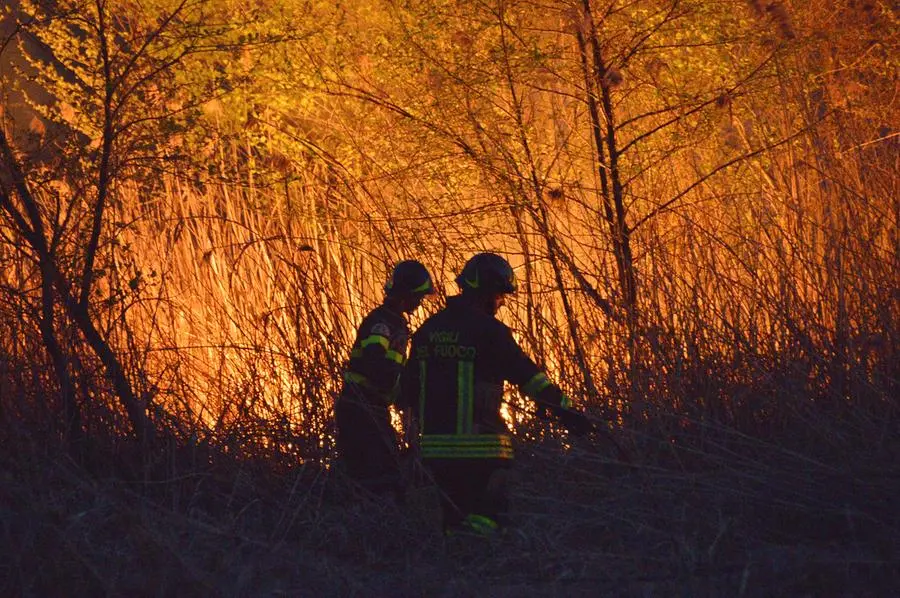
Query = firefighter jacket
x=377 y=357
x=453 y=383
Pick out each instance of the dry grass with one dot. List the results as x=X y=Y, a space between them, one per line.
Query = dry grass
x=739 y=518
x=756 y=408
x=758 y=424
x=752 y=413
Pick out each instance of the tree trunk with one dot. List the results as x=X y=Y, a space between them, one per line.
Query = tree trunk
x=605 y=144
x=30 y=227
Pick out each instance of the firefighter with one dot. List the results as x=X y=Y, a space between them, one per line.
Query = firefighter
x=366 y=440
x=453 y=385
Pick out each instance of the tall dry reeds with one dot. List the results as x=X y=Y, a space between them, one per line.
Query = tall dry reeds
x=747 y=400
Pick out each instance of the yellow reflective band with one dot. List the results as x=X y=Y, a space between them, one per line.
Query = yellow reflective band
x=481 y=524
x=566 y=402
x=467 y=453
x=425 y=286
x=467 y=446
x=422 y=371
x=396 y=356
x=375 y=339
x=474 y=447
x=470 y=410
x=460 y=400
x=537 y=383
x=497 y=448
x=356 y=352
x=465 y=391
x=356 y=378
x=467 y=440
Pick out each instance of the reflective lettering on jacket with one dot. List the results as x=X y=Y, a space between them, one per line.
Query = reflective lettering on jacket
x=453 y=383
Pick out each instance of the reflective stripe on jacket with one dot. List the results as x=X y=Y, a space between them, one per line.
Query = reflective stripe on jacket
x=453 y=383
x=466 y=446
x=378 y=356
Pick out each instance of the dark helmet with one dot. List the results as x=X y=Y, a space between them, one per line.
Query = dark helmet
x=487 y=273
x=409 y=278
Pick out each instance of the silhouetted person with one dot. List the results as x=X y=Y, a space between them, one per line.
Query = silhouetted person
x=453 y=385
x=366 y=441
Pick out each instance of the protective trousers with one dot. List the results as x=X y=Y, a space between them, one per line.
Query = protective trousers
x=474 y=492
x=367 y=444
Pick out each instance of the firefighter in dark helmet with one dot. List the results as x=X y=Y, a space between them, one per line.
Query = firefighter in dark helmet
x=453 y=385
x=366 y=441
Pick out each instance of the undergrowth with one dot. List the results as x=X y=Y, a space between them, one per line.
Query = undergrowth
x=680 y=507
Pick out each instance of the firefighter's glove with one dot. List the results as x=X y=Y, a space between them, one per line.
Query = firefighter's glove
x=575 y=422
